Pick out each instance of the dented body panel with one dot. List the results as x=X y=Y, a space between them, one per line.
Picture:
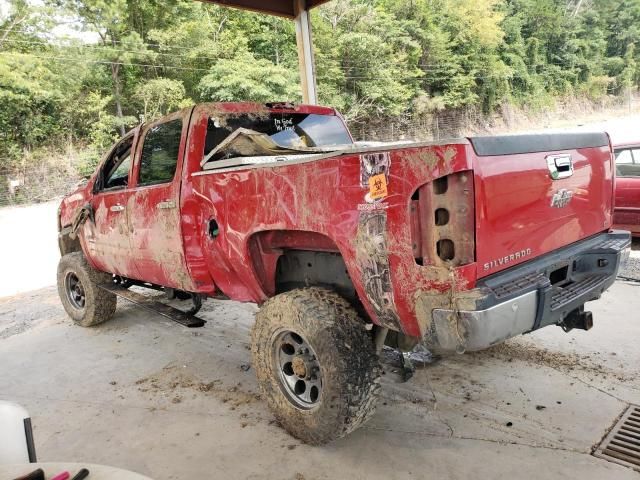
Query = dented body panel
x=325 y=198
x=411 y=244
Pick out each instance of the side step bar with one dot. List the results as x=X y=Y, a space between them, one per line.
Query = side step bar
x=152 y=305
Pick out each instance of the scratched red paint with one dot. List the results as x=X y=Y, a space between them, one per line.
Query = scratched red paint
x=314 y=206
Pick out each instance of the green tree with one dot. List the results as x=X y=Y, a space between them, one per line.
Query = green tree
x=378 y=61
x=248 y=78
x=629 y=75
x=159 y=97
x=30 y=105
x=121 y=45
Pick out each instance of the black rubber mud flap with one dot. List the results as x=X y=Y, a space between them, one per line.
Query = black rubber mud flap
x=178 y=316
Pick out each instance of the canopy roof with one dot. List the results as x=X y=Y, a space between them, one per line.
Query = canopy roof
x=282 y=8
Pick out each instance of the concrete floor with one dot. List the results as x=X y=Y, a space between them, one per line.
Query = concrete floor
x=143 y=393
x=28 y=247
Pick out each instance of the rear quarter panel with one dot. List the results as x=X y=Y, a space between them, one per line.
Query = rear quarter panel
x=324 y=197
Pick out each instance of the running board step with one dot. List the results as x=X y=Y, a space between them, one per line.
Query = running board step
x=152 y=305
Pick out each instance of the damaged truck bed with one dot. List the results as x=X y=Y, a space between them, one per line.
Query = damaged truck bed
x=458 y=244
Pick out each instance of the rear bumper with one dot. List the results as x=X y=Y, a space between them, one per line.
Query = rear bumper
x=527 y=297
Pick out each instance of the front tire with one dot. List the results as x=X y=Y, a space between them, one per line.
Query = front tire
x=85 y=302
x=316 y=364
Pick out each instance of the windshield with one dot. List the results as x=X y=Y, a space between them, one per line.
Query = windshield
x=294 y=130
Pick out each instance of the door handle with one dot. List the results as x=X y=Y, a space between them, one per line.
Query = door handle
x=166 y=204
x=560 y=166
x=117 y=208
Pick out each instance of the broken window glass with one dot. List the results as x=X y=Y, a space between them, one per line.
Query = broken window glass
x=115 y=172
x=294 y=131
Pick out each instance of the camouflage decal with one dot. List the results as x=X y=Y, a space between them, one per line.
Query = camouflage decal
x=372 y=164
x=373 y=262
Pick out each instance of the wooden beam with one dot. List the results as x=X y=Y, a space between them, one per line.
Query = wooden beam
x=280 y=8
x=298 y=10
x=305 y=53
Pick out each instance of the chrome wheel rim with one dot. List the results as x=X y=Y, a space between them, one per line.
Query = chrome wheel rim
x=298 y=369
x=75 y=291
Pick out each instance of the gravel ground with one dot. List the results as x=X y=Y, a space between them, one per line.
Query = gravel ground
x=631 y=271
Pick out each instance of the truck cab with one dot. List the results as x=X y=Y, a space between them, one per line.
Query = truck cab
x=137 y=196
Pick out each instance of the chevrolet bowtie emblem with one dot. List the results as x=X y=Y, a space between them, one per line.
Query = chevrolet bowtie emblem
x=561 y=198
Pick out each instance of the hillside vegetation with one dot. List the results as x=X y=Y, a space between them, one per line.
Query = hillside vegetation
x=377 y=61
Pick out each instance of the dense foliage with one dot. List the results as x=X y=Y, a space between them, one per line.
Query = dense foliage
x=375 y=59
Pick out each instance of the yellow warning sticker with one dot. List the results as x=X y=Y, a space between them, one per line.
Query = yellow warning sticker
x=378 y=186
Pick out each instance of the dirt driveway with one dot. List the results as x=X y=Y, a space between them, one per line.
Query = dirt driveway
x=142 y=393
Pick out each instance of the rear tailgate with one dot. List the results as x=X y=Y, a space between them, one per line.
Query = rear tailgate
x=537 y=193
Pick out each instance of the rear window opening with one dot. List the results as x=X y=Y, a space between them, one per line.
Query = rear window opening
x=288 y=130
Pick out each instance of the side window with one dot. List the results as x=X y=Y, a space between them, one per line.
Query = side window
x=623 y=156
x=115 y=171
x=160 y=153
x=628 y=164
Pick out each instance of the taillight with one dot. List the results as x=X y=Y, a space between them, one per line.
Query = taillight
x=442 y=221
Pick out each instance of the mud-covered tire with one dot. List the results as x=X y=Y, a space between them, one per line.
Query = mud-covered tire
x=99 y=305
x=345 y=351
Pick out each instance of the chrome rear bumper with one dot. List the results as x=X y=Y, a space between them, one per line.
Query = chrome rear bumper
x=479 y=329
x=523 y=298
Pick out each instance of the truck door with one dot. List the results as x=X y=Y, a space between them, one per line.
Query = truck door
x=627 y=205
x=107 y=238
x=155 y=203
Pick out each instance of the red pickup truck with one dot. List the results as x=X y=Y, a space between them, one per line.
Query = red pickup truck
x=458 y=244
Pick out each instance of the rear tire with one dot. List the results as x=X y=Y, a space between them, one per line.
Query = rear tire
x=85 y=302
x=329 y=385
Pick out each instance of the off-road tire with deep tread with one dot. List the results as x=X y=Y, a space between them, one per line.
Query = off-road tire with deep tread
x=348 y=363
x=100 y=305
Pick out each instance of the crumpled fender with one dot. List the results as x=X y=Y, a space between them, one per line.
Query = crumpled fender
x=85 y=212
